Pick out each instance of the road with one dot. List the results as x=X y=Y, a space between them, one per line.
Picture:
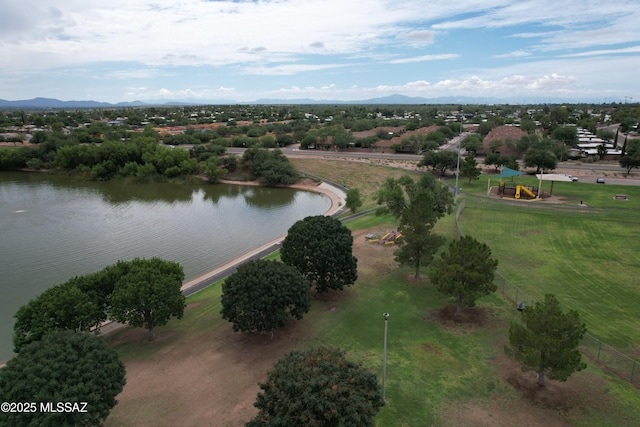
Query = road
x=586 y=172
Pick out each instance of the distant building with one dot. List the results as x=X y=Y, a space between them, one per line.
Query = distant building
x=504 y=134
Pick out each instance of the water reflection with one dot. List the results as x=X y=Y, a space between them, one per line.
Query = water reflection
x=55 y=227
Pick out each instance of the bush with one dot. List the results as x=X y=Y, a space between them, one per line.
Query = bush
x=34 y=164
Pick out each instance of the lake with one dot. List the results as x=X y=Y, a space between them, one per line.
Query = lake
x=54 y=227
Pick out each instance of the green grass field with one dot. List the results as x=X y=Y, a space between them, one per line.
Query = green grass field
x=593 y=195
x=587 y=258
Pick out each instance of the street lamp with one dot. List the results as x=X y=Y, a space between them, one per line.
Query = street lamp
x=384 y=357
x=455 y=190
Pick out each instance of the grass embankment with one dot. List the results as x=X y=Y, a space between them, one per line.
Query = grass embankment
x=438 y=372
x=367 y=178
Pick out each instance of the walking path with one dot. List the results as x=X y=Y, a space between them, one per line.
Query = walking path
x=337 y=197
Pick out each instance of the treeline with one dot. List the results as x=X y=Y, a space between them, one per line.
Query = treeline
x=143 y=159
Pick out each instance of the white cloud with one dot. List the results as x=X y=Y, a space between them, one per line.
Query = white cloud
x=633 y=49
x=145 y=73
x=419 y=37
x=514 y=54
x=176 y=94
x=214 y=46
x=424 y=58
x=577 y=24
x=288 y=69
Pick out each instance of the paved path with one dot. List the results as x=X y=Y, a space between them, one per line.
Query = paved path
x=337 y=197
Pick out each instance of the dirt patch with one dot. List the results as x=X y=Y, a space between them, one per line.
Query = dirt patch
x=211 y=378
x=208 y=379
x=555 y=405
x=191 y=306
x=468 y=319
x=374 y=259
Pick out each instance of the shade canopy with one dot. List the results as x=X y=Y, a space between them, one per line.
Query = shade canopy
x=553 y=177
x=507 y=172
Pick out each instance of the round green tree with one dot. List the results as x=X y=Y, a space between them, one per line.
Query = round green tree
x=63 y=307
x=465 y=272
x=65 y=366
x=317 y=387
x=321 y=248
x=147 y=293
x=263 y=295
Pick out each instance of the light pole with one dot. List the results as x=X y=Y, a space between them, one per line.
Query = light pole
x=455 y=190
x=384 y=357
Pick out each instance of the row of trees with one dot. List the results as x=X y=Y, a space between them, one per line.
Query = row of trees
x=140 y=292
x=545 y=341
x=262 y=296
x=320 y=387
x=61 y=359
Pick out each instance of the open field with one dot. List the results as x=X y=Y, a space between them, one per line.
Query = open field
x=366 y=177
x=440 y=372
x=588 y=259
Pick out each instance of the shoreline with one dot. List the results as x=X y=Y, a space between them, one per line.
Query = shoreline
x=335 y=195
x=337 y=198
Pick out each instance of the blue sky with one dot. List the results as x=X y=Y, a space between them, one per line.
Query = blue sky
x=123 y=50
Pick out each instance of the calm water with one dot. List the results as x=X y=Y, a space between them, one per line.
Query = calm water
x=53 y=228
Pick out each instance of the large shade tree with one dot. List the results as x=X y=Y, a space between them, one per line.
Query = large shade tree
x=417 y=206
x=547 y=340
x=77 y=305
x=263 y=295
x=439 y=160
x=65 y=366
x=630 y=158
x=465 y=272
x=147 y=293
x=317 y=387
x=321 y=248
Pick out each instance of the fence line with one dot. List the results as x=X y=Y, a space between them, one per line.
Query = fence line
x=602 y=353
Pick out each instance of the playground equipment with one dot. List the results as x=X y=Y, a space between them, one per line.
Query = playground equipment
x=517 y=190
x=387 y=239
x=522 y=189
x=392 y=238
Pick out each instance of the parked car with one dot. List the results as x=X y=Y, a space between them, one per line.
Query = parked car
x=600 y=180
x=572 y=178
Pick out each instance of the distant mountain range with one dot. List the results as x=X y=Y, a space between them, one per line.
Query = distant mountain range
x=46 y=103
x=50 y=103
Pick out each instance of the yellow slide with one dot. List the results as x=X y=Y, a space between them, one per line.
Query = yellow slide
x=526 y=191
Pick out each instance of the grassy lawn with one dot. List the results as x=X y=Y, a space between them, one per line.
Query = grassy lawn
x=448 y=373
x=435 y=371
x=593 y=195
x=588 y=259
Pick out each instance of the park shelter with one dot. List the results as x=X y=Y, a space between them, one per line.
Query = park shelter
x=553 y=177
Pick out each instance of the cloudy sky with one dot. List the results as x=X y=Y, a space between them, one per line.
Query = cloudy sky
x=125 y=50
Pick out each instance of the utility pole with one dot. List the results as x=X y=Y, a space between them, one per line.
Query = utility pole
x=384 y=357
x=455 y=190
